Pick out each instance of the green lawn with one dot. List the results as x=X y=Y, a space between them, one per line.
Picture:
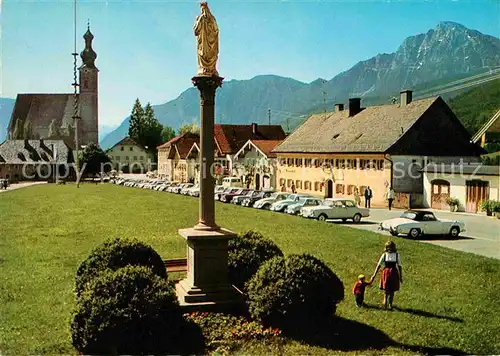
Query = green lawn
x=449 y=299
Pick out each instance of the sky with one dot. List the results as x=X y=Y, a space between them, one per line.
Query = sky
x=146 y=48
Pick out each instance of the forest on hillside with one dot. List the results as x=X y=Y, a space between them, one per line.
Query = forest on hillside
x=476 y=106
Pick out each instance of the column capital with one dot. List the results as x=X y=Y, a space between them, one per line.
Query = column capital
x=207 y=87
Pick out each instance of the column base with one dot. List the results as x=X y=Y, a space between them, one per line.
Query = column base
x=215 y=298
x=203 y=227
x=206 y=286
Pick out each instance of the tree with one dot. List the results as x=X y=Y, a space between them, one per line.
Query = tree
x=144 y=128
x=152 y=132
x=193 y=128
x=168 y=133
x=136 y=120
x=28 y=130
x=95 y=160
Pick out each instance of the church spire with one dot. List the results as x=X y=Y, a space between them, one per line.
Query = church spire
x=88 y=55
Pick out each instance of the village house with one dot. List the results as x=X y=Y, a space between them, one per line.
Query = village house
x=469 y=183
x=229 y=139
x=332 y=154
x=178 y=159
x=35 y=160
x=129 y=157
x=172 y=157
x=257 y=161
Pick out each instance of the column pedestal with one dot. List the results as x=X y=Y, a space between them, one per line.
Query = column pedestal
x=206 y=285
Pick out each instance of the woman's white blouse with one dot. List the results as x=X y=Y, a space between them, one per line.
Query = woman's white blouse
x=389 y=257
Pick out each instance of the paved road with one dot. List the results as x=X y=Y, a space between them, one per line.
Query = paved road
x=20 y=185
x=482 y=235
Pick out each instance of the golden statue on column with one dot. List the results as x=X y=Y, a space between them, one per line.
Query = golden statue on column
x=207 y=33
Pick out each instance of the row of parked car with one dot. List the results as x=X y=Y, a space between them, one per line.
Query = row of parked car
x=411 y=223
x=303 y=205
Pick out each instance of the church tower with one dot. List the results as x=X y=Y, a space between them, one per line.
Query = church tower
x=88 y=129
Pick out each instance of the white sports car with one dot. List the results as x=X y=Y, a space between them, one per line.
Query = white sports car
x=414 y=223
x=336 y=209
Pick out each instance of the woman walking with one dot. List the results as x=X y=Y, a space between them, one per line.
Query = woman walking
x=357 y=197
x=392 y=274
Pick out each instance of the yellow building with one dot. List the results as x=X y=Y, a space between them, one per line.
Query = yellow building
x=332 y=154
x=129 y=157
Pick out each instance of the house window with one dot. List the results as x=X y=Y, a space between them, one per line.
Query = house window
x=131 y=148
x=307 y=185
x=362 y=190
x=308 y=162
x=122 y=148
x=317 y=186
x=135 y=158
x=126 y=158
x=339 y=189
x=282 y=161
x=290 y=162
x=141 y=158
x=117 y=158
x=318 y=162
x=298 y=162
x=282 y=182
x=298 y=184
x=289 y=183
x=350 y=189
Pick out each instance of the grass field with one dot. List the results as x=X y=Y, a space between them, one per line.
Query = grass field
x=449 y=299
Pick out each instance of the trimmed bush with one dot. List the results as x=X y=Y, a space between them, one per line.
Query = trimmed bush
x=127 y=311
x=294 y=292
x=247 y=253
x=115 y=254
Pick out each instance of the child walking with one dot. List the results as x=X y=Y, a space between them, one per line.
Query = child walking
x=359 y=289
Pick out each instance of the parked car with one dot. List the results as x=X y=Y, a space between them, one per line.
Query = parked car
x=194 y=191
x=280 y=206
x=336 y=208
x=185 y=189
x=234 y=182
x=266 y=203
x=414 y=223
x=238 y=199
x=294 y=209
x=218 y=194
x=250 y=201
x=228 y=198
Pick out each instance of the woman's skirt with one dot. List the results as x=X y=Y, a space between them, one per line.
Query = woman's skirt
x=390 y=279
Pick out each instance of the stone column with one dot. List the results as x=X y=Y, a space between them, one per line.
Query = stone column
x=207 y=87
x=206 y=284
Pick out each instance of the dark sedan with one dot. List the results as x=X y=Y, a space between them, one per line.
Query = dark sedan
x=251 y=200
x=226 y=198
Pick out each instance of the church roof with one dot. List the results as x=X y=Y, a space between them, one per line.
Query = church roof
x=41 y=109
x=34 y=151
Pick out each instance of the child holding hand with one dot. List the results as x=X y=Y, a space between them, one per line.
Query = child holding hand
x=359 y=289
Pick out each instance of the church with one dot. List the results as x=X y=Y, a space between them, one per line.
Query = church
x=41 y=130
x=50 y=116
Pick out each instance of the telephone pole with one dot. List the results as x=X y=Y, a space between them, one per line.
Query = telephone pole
x=269 y=115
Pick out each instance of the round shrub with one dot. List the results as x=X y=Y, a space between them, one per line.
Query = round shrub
x=247 y=253
x=127 y=311
x=115 y=254
x=294 y=292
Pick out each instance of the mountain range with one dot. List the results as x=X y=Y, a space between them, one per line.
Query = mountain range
x=444 y=53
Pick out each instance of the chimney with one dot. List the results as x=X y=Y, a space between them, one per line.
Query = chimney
x=338 y=107
x=406 y=97
x=254 y=128
x=354 y=106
